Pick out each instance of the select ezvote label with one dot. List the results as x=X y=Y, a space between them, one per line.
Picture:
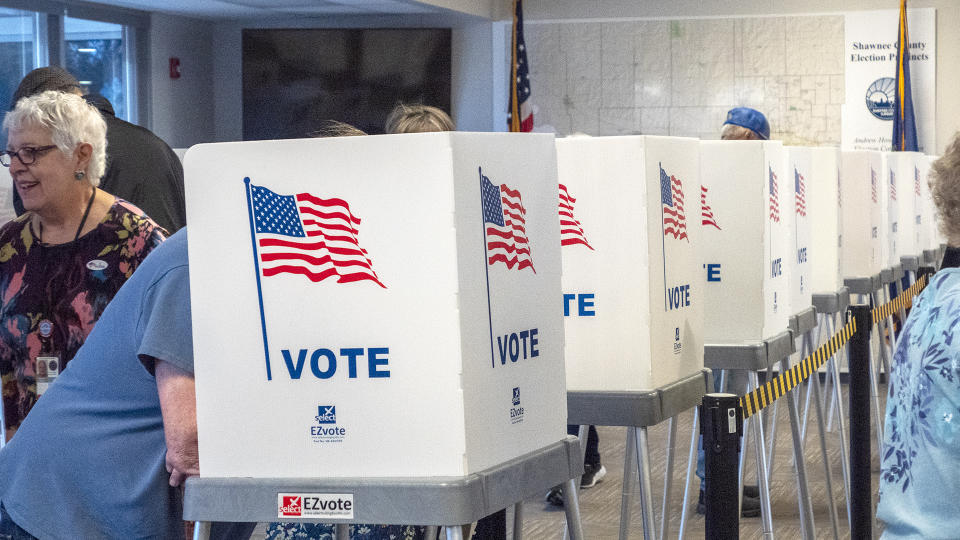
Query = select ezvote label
x=315 y=505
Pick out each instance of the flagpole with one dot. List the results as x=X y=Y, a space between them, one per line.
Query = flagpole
x=256 y=267
x=486 y=266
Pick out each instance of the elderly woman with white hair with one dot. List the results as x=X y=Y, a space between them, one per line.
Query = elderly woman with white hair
x=67 y=256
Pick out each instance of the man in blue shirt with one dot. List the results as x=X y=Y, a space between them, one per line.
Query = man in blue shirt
x=104 y=452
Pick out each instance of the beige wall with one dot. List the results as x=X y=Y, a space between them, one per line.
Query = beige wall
x=948 y=37
x=181 y=109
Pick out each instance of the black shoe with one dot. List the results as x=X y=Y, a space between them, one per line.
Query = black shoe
x=749 y=509
x=751 y=491
x=554 y=497
x=591 y=475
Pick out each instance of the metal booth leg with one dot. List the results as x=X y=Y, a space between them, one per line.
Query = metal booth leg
x=668 y=478
x=766 y=517
x=430 y=532
x=629 y=477
x=571 y=507
x=825 y=457
x=518 y=521
x=342 y=531
x=646 y=494
x=582 y=436
x=807 y=523
x=691 y=463
x=454 y=532
x=201 y=530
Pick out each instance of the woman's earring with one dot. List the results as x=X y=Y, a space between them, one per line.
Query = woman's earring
x=79 y=175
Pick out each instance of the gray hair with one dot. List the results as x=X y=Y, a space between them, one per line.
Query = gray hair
x=418 y=119
x=70 y=121
x=944 y=182
x=733 y=132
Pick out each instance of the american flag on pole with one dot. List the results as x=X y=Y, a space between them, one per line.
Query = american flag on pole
x=308 y=235
x=873 y=185
x=504 y=217
x=893 y=186
x=706 y=213
x=671 y=199
x=801 y=193
x=520 y=110
x=774 y=197
x=570 y=230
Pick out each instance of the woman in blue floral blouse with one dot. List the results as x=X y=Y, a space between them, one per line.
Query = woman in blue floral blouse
x=920 y=480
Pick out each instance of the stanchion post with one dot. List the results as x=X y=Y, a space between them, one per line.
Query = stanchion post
x=722 y=428
x=861 y=501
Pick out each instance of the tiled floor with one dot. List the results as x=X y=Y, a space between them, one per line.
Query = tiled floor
x=600 y=506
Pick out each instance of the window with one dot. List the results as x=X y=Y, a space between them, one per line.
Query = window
x=19 y=50
x=95 y=53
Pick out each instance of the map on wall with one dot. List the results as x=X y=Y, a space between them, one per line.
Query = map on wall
x=680 y=77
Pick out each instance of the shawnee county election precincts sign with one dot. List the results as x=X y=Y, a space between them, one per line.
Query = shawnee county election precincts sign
x=374 y=306
x=870 y=65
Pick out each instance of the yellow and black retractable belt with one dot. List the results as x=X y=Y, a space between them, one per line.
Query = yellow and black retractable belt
x=755 y=401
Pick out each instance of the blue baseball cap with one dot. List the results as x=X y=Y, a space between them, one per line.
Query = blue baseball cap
x=751 y=119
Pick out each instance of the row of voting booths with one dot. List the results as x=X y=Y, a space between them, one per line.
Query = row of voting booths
x=407 y=323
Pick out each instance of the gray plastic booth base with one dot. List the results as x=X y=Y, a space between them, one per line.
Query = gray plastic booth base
x=830 y=303
x=750 y=356
x=442 y=501
x=803 y=322
x=642 y=408
x=910 y=263
x=889 y=275
x=863 y=285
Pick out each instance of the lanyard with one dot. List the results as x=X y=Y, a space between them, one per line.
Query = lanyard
x=83 y=220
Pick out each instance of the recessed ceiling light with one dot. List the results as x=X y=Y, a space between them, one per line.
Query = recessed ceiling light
x=87 y=83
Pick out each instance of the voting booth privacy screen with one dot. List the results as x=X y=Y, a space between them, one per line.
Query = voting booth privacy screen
x=745 y=241
x=375 y=306
x=825 y=216
x=800 y=170
x=632 y=278
x=863 y=194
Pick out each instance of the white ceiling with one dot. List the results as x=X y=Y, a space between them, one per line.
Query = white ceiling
x=235 y=9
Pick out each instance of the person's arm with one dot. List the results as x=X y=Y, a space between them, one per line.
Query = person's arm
x=178 y=405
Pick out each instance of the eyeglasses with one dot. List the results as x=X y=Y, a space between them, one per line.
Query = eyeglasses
x=27 y=155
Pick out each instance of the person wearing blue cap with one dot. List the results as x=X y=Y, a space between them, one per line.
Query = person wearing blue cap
x=745 y=124
x=742 y=124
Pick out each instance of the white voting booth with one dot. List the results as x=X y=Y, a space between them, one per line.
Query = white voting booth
x=906 y=168
x=799 y=175
x=826 y=206
x=632 y=282
x=863 y=192
x=890 y=210
x=379 y=306
x=746 y=249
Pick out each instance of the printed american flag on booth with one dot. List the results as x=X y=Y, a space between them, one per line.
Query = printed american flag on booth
x=308 y=235
x=774 y=197
x=916 y=181
x=671 y=199
x=873 y=185
x=801 y=193
x=706 y=213
x=570 y=230
x=893 y=186
x=504 y=219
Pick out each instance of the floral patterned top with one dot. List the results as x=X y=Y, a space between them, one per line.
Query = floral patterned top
x=920 y=461
x=68 y=285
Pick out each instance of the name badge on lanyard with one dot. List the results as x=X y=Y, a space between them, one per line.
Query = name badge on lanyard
x=47 y=363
